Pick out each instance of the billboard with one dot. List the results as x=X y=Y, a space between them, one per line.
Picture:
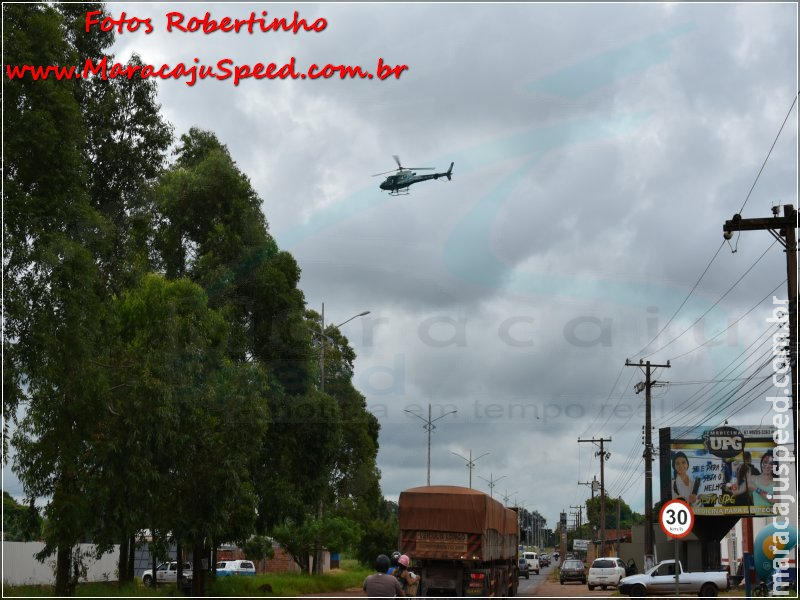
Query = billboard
x=718 y=470
x=580 y=545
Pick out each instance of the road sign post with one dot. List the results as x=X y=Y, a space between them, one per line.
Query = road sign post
x=676 y=519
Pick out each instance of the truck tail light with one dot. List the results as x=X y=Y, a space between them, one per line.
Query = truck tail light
x=477 y=576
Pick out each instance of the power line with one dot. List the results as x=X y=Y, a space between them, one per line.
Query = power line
x=730 y=367
x=613 y=387
x=720 y=299
x=708 y=341
x=675 y=314
x=794 y=101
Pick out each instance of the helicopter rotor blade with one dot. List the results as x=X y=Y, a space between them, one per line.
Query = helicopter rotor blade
x=385 y=172
x=397 y=160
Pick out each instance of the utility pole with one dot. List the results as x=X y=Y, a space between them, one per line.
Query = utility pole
x=619 y=511
x=648 y=448
x=579 y=515
x=603 y=456
x=593 y=484
x=782 y=229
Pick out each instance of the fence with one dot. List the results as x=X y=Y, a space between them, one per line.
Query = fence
x=21 y=568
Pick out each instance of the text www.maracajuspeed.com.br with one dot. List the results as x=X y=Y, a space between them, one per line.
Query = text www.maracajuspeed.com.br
x=223 y=70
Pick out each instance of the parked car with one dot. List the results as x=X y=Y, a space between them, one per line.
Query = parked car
x=533 y=561
x=235 y=567
x=168 y=573
x=572 y=570
x=660 y=580
x=544 y=560
x=606 y=572
x=524 y=570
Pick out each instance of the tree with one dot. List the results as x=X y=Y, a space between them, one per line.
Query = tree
x=299 y=539
x=380 y=534
x=78 y=153
x=174 y=347
x=55 y=303
x=20 y=523
x=628 y=518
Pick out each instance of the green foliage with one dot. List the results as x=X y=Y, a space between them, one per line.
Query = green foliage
x=258 y=547
x=289 y=585
x=628 y=518
x=299 y=539
x=20 y=523
x=380 y=537
x=154 y=330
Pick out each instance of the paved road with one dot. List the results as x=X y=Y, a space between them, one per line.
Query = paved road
x=537 y=586
x=543 y=586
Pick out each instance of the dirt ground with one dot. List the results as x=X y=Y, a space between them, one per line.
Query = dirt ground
x=553 y=589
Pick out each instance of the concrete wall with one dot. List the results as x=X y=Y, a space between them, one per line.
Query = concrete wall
x=21 y=568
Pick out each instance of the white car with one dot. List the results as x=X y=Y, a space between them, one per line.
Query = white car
x=532 y=558
x=168 y=573
x=606 y=572
x=235 y=567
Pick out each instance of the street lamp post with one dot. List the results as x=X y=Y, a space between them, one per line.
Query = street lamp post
x=470 y=462
x=492 y=482
x=429 y=426
x=322 y=338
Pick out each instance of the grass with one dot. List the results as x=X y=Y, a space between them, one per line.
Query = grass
x=92 y=590
x=292 y=584
x=274 y=584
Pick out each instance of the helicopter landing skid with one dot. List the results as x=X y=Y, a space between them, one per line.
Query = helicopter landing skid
x=399 y=193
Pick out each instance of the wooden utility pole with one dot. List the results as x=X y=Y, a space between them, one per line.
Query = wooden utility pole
x=603 y=456
x=578 y=515
x=594 y=485
x=619 y=514
x=648 y=449
x=782 y=228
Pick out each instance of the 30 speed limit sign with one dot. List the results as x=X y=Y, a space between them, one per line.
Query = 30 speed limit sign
x=676 y=519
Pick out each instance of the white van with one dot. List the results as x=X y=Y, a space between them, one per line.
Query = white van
x=532 y=558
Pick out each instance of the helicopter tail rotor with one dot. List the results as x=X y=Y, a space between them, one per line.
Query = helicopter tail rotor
x=450 y=172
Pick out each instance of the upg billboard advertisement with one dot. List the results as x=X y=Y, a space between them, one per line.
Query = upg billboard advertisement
x=723 y=470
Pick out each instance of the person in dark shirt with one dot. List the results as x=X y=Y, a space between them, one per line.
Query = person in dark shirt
x=381 y=584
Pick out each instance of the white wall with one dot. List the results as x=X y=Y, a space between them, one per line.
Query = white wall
x=21 y=568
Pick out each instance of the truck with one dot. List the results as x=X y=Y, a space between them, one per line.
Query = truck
x=168 y=573
x=461 y=541
x=660 y=580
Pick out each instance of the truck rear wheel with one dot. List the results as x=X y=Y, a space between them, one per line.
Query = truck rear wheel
x=709 y=590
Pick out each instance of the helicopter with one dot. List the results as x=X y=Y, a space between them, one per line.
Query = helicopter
x=404 y=177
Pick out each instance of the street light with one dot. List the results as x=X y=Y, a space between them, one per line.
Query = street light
x=429 y=426
x=470 y=462
x=492 y=482
x=324 y=337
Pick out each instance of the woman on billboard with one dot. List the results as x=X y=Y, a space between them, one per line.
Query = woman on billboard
x=684 y=486
x=761 y=485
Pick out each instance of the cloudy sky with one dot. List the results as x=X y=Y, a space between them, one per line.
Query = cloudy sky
x=598 y=150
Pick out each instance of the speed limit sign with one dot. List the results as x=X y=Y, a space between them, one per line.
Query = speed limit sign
x=676 y=519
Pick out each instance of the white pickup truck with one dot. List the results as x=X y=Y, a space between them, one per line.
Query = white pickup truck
x=168 y=573
x=660 y=580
